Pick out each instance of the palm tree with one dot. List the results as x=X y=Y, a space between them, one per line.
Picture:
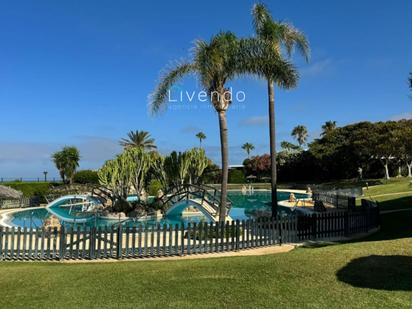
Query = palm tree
x=215 y=63
x=277 y=35
x=67 y=161
x=300 y=133
x=201 y=136
x=140 y=139
x=328 y=127
x=248 y=147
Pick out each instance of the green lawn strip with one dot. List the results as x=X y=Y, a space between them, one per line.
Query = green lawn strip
x=337 y=275
x=392 y=186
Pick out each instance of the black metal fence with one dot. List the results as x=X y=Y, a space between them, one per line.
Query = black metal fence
x=167 y=240
x=336 y=200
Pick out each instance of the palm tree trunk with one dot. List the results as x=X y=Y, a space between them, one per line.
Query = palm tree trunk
x=272 y=134
x=225 y=164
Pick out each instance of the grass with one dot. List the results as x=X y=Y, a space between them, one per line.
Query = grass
x=394 y=194
x=376 y=272
x=373 y=272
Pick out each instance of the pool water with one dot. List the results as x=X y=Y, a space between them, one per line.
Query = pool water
x=244 y=206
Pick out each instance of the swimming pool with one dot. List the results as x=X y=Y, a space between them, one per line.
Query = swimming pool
x=244 y=206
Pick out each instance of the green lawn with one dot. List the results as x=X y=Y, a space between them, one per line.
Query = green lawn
x=394 y=194
x=374 y=272
x=369 y=273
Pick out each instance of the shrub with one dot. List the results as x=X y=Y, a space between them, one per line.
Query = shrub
x=154 y=187
x=122 y=206
x=236 y=176
x=32 y=189
x=86 y=177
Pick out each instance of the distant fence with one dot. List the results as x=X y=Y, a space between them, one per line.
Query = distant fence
x=19 y=203
x=336 y=200
x=158 y=241
x=24 y=179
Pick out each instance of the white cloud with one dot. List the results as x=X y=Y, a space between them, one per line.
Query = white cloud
x=29 y=159
x=317 y=68
x=406 y=115
x=254 y=121
x=190 y=130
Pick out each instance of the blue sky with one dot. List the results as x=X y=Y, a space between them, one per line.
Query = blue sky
x=79 y=73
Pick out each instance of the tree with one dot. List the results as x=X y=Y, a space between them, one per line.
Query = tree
x=405 y=145
x=300 y=133
x=328 y=127
x=140 y=139
x=277 y=35
x=215 y=63
x=201 y=136
x=384 y=144
x=248 y=147
x=66 y=161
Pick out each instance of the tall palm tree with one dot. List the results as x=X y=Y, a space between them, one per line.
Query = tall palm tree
x=215 y=63
x=277 y=35
x=140 y=139
x=300 y=133
x=201 y=136
x=328 y=127
x=248 y=147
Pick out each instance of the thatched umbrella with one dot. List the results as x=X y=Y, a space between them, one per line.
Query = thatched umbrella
x=9 y=193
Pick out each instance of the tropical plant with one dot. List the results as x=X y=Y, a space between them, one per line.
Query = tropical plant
x=300 y=133
x=137 y=163
x=140 y=139
x=115 y=177
x=197 y=164
x=127 y=170
x=328 y=127
x=248 y=147
x=201 y=136
x=66 y=161
x=215 y=63
x=277 y=35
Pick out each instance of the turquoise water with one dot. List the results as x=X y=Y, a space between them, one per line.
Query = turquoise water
x=244 y=206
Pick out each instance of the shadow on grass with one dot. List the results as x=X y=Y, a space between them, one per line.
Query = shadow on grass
x=404 y=202
x=394 y=225
x=391 y=273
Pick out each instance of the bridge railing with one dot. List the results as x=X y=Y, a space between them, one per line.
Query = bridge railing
x=207 y=194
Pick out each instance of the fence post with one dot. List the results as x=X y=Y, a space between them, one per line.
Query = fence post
x=92 y=243
x=237 y=235
x=279 y=224
x=314 y=222
x=62 y=243
x=346 y=224
x=119 y=242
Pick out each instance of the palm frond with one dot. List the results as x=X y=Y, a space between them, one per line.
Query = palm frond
x=260 y=17
x=159 y=97
x=257 y=57
x=293 y=38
